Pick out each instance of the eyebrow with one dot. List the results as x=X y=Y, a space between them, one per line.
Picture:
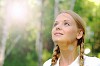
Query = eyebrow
x=63 y=20
x=66 y=20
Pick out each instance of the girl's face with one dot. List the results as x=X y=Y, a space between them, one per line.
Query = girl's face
x=65 y=29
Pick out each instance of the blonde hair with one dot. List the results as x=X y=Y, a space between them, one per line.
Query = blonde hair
x=81 y=25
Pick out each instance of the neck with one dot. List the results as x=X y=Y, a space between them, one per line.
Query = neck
x=68 y=53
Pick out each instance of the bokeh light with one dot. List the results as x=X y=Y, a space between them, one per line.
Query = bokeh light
x=87 y=51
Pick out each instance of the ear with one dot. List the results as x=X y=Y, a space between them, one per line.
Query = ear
x=79 y=34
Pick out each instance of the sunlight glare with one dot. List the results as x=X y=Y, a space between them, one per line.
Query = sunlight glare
x=17 y=10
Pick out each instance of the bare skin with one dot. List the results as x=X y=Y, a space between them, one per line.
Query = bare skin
x=65 y=34
x=68 y=56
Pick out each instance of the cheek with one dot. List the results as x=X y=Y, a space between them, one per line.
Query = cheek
x=71 y=33
x=52 y=32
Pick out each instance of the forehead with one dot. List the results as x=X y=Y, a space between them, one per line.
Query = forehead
x=64 y=16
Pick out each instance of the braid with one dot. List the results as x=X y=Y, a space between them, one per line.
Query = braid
x=55 y=56
x=82 y=54
x=81 y=62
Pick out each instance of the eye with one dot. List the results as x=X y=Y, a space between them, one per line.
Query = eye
x=55 y=24
x=66 y=24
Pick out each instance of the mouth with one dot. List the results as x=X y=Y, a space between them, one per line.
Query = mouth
x=58 y=34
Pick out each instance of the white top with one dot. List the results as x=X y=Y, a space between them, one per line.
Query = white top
x=88 y=61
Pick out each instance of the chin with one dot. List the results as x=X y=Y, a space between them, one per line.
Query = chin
x=57 y=41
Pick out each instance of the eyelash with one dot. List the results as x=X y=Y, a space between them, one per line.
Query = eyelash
x=55 y=24
x=66 y=23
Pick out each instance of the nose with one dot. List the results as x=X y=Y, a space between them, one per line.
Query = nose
x=58 y=27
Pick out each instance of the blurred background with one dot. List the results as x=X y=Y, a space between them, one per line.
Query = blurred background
x=25 y=29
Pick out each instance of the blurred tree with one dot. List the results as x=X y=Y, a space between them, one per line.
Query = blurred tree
x=39 y=40
x=21 y=40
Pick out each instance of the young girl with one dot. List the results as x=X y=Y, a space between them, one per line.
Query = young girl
x=68 y=36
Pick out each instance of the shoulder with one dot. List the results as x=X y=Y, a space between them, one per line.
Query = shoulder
x=47 y=63
x=91 y=61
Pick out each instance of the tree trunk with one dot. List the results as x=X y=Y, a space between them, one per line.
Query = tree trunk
x=3 y=35
x=39 y=40
x=3 y=44
x=72 y=5
x=56 y=8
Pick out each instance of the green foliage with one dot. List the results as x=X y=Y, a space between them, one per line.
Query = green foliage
x=46 y=55
x=24 y=53
x=90 y=13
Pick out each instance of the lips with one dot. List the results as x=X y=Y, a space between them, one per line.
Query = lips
x=58 y=33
